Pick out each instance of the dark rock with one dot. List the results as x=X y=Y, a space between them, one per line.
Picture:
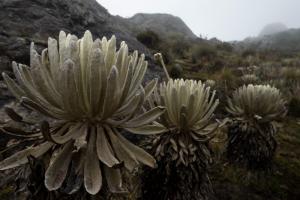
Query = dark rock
x=4 y=63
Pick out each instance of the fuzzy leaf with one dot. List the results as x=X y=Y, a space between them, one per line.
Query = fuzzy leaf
x=145 y=118
x=140 y=154
x=92 y=171
x=104 y=150
x=148 y=130
x=58 y=168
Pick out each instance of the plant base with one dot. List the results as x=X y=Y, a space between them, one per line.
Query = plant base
x=253 y=148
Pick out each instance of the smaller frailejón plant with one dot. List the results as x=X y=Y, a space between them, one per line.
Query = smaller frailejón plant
x=89 y=90
x=254 y=110
x=211 y=83
x=189 y=110
x=183 y=152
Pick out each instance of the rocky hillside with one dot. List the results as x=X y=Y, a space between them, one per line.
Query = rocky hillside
x=22 y=22
x=163 y=24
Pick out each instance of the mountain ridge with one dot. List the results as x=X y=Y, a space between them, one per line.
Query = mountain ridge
x=163 y=24
x=288 y=40
x=272 y=28
x=28 y=21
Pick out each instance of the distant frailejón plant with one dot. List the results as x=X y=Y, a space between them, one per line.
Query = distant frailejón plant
x=255 y=110
x=90 y=91
x=211 y=83
x=249 y=79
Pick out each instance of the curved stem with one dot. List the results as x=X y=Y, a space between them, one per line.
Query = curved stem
x=159 y=57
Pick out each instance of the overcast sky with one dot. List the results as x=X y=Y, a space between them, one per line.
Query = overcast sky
x=224 y=19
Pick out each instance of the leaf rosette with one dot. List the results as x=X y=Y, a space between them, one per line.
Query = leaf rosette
x=91 y=91
x=189 y=112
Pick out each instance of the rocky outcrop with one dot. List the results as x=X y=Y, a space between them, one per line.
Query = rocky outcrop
x=23 y=22
x=163 y=24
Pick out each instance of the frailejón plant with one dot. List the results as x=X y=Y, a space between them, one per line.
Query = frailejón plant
x=255 y=110
x=183 y=152
x=189 y=111
x=90 y=91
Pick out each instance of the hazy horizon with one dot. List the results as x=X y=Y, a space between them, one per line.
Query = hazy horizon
x=227 y=20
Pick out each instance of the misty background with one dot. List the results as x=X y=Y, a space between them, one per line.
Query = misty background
x=225 y=19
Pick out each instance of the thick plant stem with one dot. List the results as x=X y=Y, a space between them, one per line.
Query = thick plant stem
x=158 y=57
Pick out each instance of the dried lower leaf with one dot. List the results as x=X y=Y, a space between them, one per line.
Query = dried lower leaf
x=15 y=160
x=13 y=115
x=114 y=180
x=20 y=157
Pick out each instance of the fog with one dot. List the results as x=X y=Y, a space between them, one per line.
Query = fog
x=225 y=19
